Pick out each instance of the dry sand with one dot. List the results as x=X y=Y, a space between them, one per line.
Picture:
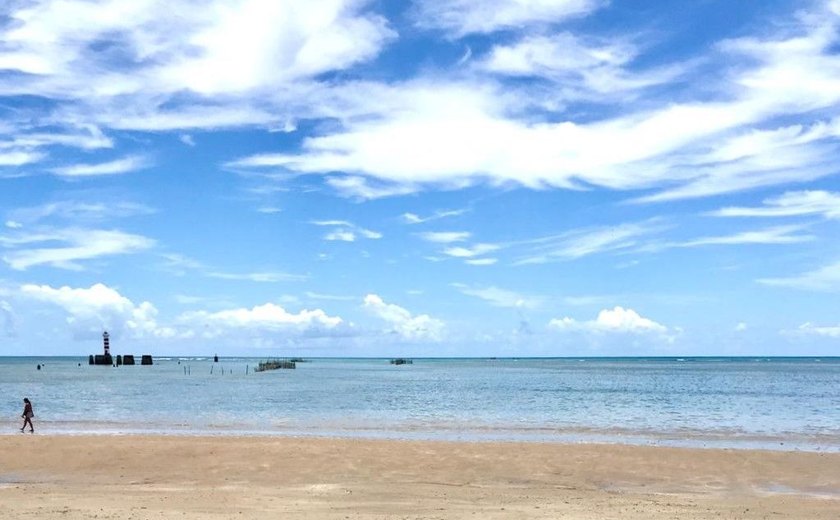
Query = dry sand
x=139 y=477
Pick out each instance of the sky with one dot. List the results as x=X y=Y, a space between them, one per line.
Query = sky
x=420 y=178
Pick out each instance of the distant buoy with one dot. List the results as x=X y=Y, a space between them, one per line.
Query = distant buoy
x=39 y=367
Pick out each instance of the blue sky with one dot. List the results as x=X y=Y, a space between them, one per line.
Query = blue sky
x=428 y=178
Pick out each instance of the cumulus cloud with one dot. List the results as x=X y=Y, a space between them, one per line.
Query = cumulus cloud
x=403 y=324
x=268 y=317
x=618 y=319
x=98 y=307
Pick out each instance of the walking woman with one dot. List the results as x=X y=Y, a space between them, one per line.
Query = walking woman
x=28 y=414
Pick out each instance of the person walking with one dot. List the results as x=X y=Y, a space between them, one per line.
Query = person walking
x=27 y=415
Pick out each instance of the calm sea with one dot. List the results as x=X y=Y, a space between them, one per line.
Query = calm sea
x=775 y=403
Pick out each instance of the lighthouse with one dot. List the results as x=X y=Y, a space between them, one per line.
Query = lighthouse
x=105 y=344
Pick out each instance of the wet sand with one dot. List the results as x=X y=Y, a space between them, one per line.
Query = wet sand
x=140 y=477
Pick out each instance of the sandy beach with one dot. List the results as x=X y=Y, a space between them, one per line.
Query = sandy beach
x=138 y=477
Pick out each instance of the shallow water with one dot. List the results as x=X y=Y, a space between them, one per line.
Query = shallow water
x=777 y=403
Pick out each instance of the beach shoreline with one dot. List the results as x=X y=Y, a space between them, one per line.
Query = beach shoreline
x=162 y=476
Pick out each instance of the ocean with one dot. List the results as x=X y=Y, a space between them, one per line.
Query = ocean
x=757 y=403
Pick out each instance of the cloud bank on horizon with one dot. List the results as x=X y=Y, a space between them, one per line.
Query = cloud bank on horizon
x=437 y=177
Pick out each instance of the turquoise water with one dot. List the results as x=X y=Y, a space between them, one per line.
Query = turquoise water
x=776 y=403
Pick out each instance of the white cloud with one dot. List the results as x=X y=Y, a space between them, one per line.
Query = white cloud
x=100 y=307
x=167 y=47
x=353 y=186
x=328 y=297
x=13 y=224
x=814 y=330
x=9 y=320
x=441 y=133
x=346 y=231
x=826 y=278
x=340 y=236
x=773 y=235
x=411 y=218
x=75 y=211
x=260 y=318
x=470 y=252
x=409 y=327
x=461 y=17
x=445 y=237
x=83 y=136
x=81 y=244
x=116 y=167
x=593 y=70
x=501 y=297
x=260 y=277
x=790 y=204
x=584 y=242
x=481 y=261
x=19 y=158
x=166 y=65
x=618 y=319
x=187 y=139
x=741 y=327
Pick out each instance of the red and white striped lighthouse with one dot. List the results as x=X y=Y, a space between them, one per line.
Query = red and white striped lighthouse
x=105 y=343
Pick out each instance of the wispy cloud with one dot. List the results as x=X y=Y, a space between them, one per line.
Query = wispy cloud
x=586 y=69
x=479 y=130
x=19 y=158
x=809 y=329
x=445 y=237
x=412 y=218
x=501 y=297
x=116 y=167
x=773 y=235
x=79 y=211
x=481 y=261
x=461 y=17
x=790 y=204
x=259 y=277
x=345 y=231
x=826 y=278
x=584 y=242
x=79 y=245
x=470 y=252
x=328 y=297
x=263 y=47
